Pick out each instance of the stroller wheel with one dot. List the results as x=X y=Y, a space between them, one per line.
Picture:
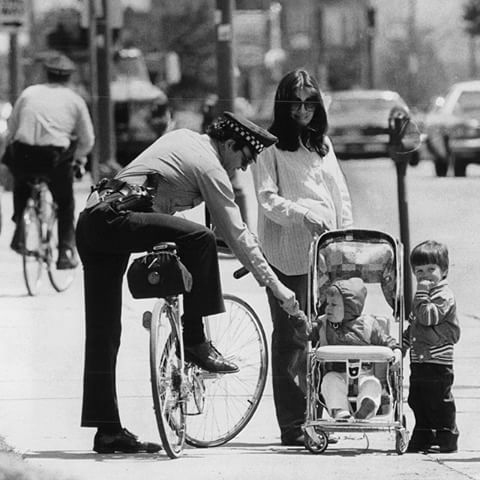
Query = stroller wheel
x=317 y=445
x=401 y=441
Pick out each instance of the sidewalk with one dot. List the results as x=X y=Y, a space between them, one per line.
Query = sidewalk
x=41 y=362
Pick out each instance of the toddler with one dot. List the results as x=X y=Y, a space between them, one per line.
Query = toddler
x=344 y=324
x=431 y=335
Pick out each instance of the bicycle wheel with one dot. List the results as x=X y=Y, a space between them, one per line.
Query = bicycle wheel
x=228 y=401
x=32 y=252
x=60 y=279
x=166 y=369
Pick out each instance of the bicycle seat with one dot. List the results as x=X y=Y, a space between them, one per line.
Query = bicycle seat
x=165 y=246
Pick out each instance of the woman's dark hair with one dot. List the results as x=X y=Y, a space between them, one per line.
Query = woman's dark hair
x=428 y=252
x=285 y=127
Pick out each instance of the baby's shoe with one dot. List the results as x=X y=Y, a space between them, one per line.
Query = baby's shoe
x=366 y=410
x=341 y=415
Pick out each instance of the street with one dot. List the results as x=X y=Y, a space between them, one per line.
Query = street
x=41 y=358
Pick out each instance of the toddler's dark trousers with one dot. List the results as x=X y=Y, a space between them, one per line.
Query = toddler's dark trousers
x=431 y=400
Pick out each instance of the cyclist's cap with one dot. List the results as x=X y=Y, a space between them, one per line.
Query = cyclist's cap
x=59 y=65
x=257 y=138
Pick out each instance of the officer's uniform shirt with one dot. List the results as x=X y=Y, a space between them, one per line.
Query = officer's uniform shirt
x=50 y=114
x=187 y=170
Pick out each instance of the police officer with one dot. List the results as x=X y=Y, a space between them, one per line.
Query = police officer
x=183 y=168
x=49 y=127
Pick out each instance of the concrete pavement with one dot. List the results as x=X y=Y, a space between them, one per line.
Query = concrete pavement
x=41 y=355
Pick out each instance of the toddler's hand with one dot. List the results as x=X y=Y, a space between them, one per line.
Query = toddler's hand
x=425 y=285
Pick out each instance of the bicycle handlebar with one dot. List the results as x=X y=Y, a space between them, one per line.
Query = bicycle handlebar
x=241 y=272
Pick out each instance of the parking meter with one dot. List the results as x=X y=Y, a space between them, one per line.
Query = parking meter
x=398 y=121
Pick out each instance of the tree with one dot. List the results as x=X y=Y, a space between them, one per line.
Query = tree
x=471 y=17
x=185 y=27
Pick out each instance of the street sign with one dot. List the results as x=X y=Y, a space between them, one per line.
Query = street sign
x=13 y=14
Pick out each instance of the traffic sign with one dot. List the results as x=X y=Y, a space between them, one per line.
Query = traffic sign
x=13 y=14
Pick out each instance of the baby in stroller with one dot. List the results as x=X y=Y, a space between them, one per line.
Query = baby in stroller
x=344 y=324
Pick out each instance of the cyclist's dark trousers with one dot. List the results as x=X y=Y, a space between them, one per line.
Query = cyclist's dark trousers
x=55 y=165
x=288 y=361
x=105 y=240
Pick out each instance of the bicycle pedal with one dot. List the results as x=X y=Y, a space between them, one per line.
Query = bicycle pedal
x=147 y=319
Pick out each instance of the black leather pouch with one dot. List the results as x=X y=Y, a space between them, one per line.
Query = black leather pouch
x=158 y=275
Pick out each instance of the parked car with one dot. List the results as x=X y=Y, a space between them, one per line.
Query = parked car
x=358 y=123
x=453 y=129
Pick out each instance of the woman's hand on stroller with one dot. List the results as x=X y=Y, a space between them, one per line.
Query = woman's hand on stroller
x=315 y=224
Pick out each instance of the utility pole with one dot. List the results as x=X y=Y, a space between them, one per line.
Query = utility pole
x=225 y=65
x=226 y=88
x=370 y=46
x=92 y=54
x=413 y=57
x=14 y=67
x=106 y=138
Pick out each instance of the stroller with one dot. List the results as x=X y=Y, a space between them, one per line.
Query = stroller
x=377 y=258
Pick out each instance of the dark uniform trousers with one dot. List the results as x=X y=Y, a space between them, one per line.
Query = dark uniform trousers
x=55 y=165
x=105 y=239
x=288 y=360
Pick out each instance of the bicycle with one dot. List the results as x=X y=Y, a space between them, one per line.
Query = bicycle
x=218 y=406
x=40 y=240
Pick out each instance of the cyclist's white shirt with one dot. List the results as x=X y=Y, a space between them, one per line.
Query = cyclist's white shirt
x=51 y=114
x=188 y=170
x=289 y=185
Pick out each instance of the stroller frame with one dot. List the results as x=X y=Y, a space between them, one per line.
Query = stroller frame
x=316 y=428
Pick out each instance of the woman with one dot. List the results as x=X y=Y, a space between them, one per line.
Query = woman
x=301 y=192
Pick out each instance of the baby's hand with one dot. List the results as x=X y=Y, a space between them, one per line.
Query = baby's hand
x=398 y=359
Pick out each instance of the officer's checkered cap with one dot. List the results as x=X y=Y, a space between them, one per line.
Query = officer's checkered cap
x=256 y=137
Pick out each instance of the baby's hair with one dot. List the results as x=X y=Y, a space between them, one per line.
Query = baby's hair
x=430 y=251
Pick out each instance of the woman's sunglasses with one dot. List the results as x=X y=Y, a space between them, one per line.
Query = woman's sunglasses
x=310 y=104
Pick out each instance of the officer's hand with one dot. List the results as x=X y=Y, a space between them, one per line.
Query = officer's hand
x=302 y=329
x=315 y=224
x=286 y=299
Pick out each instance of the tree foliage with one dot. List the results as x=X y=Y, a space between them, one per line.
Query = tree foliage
x=471 y=17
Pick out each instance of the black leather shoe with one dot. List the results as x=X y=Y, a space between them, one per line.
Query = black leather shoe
x=206 y=356
x=66 y=259
x=17 y=243
x=122 y=442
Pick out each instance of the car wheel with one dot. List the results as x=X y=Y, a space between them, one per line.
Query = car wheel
x=459 y=167
x=441 y=168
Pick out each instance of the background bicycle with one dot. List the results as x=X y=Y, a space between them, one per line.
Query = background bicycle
x=192 y=405
x=40 y=234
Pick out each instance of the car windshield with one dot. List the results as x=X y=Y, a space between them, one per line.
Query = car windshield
x=341 y=106
x=468 y=103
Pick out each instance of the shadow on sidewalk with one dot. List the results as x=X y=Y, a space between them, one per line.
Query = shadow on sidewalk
x=82 y=455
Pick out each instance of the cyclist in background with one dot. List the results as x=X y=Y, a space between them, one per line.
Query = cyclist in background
x=49 y=128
